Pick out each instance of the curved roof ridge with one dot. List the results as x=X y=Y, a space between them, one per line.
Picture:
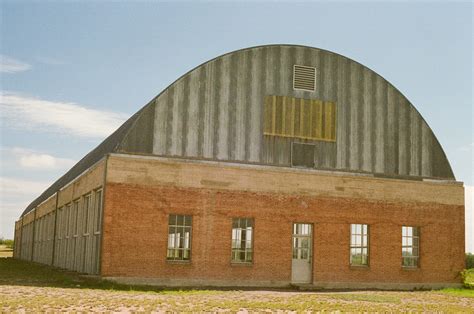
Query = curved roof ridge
x=114 y=141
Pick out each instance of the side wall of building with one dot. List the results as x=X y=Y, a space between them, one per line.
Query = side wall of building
x=141 y=192
x=65 y=230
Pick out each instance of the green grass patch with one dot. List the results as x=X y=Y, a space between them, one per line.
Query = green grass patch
x=377 y=298
x=459 y=292
x=18 y=272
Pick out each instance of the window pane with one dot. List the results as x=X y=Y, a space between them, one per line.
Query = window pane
x=172 y=220
x=410 y=243
x=188 y=220
x=241 y=239
x=416 y=231
x=179 y=237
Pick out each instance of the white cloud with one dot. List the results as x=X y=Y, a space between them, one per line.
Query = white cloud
x=25 y=112
x=10 y=65
x=33 y=160
x=15 y=195
x=19 y=187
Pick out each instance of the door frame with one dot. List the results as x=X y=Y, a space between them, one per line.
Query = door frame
x=311 y=246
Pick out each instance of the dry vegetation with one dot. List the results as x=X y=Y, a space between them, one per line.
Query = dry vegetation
x=31 y=287
x=5 y=251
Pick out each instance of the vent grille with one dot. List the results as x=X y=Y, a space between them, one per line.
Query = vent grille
x=304 y=78
x=302 y=155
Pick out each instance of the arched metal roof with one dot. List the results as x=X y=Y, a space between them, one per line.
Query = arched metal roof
x=216 y=112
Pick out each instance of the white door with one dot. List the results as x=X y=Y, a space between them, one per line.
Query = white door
x=301 y=266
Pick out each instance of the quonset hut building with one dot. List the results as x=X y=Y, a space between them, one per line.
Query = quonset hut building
x=267 y=166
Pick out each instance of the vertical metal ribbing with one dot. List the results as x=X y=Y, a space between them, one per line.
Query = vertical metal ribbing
x=100 y=250
x=55 y=228
x=33 y=236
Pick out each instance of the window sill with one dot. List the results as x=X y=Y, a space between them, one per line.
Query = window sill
x=170 y=261
x=359 y=267
x=241 y=264
x=410 y=268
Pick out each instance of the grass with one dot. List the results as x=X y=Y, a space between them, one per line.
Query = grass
x=5 y=251
x=25 y=273
x=31 y=287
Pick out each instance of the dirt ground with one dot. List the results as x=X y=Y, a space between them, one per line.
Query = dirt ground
x=30 y=287
x=29 y=298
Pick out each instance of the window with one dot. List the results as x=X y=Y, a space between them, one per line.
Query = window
x=87 y=205
x=76 y=216
x=302 y=241
x=300 y=118
x=98 y=209
x=410 y=246
x=302 y=155
x=304 y=78
x=67 y=213
x=179 y=237
x=242 y=237
x=359 y=245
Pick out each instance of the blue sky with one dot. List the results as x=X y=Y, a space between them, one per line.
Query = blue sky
x=72 y=72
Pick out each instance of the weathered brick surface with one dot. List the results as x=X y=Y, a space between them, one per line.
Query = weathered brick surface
x=136 y=220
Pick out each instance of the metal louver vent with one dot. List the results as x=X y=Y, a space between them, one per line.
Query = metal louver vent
x=304 y=78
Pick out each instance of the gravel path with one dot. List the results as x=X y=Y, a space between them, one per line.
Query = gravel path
x=29 y=298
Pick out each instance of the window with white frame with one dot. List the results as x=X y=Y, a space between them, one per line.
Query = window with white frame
x=359 y=245
x=242 y=240
x=76 y=217
x=86 y=208
x=179 y=237
x=98 y=209
x=410 y=246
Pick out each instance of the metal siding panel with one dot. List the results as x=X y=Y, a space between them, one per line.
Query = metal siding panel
x=183 y=113
x=201 y=114
x=177 y=121
x=403 y=138
x=170 y=121
x=327 y=92
x=160 y=125
x=380 y=117
x=354 y=137
x=426 y=150
x=342 y=113
x=256 y=91
x=241 y=106
x=192 y=117
x=223 y=110
x=285 y=67
x=391 y=152
x=248 y=104
x=414 y=143
x=232 y=106
x=209 y=109
x=367 y=122
x=270 y=89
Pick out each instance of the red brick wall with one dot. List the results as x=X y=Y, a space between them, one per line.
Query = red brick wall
x=136 y=222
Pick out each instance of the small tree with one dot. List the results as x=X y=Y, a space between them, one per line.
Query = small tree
x=469 y=260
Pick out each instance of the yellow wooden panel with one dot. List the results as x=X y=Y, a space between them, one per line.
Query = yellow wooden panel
x=267 y=118
x=327 y=120
x=299 y=118
x=273 y=114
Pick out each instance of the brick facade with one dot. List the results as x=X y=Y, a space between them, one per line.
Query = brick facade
x=136 y=230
